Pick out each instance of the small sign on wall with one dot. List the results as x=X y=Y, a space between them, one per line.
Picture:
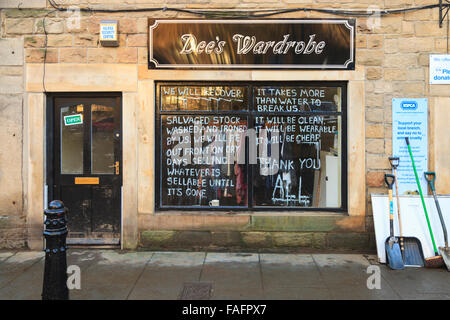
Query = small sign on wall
x=410 y=119
x=108 y=33
x=439 y=68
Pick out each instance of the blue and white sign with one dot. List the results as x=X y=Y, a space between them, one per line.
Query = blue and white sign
x=439 y=68
x=108 y=30
x=410 y=119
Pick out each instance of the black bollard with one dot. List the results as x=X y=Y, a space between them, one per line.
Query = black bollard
x=55 y=272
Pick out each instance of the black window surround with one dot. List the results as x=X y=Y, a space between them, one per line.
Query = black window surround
x=250 y=115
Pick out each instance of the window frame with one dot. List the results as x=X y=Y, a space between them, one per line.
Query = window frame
x=250 y=114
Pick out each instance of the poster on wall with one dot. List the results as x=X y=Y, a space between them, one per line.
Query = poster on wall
x=410 y=119
x=439 y=68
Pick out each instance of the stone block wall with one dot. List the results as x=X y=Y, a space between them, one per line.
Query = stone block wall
x=256 y=240
x=11 y=119
x=257 y=232
x=393 y=50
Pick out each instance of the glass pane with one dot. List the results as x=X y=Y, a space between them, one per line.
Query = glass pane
x=72 y=125
x=102 y=139
x=203 y=161
x=298 y=161
x=297 y=99
x=204 y=98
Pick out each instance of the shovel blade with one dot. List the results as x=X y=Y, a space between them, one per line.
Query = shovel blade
x=394 y=254
x=445 y=252
x=412 y=252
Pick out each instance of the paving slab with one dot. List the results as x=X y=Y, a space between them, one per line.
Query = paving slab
x=23 y=259
x=303 y=293
x=341 y=270
x=112 y=276
x=417 y=281
x=32 y=278
x=426 y=296
x=361 y=292
x=5 y=255
x=237 y=293
x=290 y=271
x=346 y=275
x=17 y=264
x=164 y=276
x=232 y=270
x=181 y=259
x=234 y=275
x=27 y=285
x=83 y=258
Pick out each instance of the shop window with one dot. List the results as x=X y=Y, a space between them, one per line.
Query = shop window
x=251 y=146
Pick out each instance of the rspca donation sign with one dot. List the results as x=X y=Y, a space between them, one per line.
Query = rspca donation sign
x=410 y=119
x=439 y=68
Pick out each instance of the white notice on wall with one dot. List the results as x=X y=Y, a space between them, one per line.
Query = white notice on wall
x=410 y=119
x=439 y=68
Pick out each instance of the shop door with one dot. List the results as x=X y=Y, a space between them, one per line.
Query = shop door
x=87 y=172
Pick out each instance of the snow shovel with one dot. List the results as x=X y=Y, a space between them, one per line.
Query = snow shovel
x=393 y=253
x=410 y=246
x=430 y=176
x=436 y=261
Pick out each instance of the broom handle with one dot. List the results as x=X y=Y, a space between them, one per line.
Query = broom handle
x=391 y=213
x=421 y=196
x=402 y=244
x=398 y=202
x=389 y=179
x=438 y=207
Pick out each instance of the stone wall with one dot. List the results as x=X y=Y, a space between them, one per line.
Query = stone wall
x=11 y=119
x=256 y=240
x=394 y=52
x=257 y=232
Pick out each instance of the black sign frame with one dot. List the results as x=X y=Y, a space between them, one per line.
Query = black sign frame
x=157 y=54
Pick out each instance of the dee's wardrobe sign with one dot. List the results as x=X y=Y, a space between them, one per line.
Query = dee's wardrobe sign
x=260 y=44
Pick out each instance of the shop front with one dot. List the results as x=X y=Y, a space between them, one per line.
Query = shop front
x=229 y=137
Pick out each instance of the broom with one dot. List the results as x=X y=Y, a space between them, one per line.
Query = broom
x=436 y=261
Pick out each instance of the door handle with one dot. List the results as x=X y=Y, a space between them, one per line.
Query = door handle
x=116 y=165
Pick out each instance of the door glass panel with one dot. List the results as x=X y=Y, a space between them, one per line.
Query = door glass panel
x=102 y=139
x=72 y=125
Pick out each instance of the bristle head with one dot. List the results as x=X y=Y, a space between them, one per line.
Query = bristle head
x=434 y=262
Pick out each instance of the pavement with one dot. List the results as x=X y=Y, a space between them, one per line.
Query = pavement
x=119 y=275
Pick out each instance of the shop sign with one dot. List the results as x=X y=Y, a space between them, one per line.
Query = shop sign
x=410 y=119
x=263 y=44
x=439 y=68
x=73 y=119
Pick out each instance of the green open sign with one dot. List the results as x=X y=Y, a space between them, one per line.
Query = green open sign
x=73 y=119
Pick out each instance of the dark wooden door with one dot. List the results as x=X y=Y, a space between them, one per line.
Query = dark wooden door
x=87 y=166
